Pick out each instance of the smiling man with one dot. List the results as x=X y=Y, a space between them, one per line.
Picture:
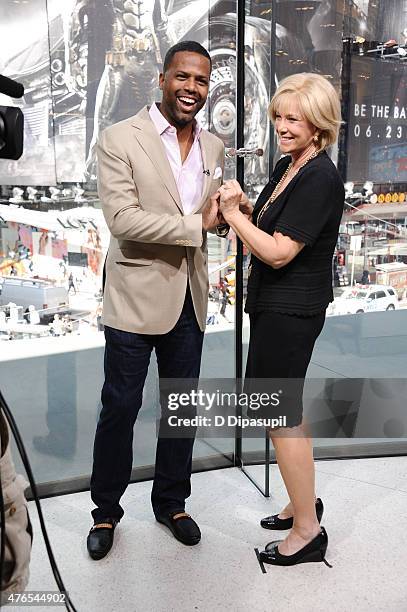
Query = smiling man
x=156 y=173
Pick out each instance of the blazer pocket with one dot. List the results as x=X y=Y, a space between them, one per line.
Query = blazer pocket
x=124 y=258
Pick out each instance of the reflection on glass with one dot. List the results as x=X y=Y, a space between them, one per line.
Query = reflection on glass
x=54 y=238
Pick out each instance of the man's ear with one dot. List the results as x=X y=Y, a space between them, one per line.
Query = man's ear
x=161 y=80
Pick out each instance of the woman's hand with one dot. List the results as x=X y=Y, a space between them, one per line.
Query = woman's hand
x=230 y=198
x=246 y=207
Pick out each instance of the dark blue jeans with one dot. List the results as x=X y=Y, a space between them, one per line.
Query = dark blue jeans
x=127 y=356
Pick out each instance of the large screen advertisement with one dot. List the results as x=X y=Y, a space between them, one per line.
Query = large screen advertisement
x=377 y=130
x=25 y=56
x=86 y=64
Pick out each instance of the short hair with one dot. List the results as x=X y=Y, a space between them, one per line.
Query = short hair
x=185 y=45
x=318 y=102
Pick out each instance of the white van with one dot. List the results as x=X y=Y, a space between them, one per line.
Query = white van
x=364 y=298
x=47 y=298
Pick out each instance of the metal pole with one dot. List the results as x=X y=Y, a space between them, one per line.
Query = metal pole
x=353 y=267
x=365 y=266
x=346 y=111
x=273 y=71
x=267 y=467
x=272 y=79
x=240 y=88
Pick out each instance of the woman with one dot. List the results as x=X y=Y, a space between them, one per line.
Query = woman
x=292 y=237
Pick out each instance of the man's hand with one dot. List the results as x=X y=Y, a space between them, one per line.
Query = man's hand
x=210 y=214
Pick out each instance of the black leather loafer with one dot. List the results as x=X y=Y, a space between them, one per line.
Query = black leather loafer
x=313 y=551
x=182 y=526
x=100 y=538
x=279 y=524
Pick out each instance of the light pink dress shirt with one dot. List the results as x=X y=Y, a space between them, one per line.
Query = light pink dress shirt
x=189 y=176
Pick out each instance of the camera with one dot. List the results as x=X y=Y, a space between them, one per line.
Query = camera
x=11 y=121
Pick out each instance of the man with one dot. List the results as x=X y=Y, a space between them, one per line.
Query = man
x=156 y=173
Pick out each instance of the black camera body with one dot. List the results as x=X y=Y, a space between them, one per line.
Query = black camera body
x=11 y=121
x=11 y=132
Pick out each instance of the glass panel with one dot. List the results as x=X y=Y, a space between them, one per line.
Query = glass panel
x=220 y=119
x=368 y=265
x=258 y=88
x=369 y=276
x=54 y=398
x=78 y=53
x=70 y=62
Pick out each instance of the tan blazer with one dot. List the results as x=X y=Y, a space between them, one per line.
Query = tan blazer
x=154 y=248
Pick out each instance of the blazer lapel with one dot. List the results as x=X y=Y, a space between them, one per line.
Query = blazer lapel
x=150 y=141
x=208 y=162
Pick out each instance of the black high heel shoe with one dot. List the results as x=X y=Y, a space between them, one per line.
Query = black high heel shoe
x=279 y=524
x=314 y=551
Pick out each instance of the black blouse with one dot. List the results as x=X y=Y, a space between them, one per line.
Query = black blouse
x=309 y=210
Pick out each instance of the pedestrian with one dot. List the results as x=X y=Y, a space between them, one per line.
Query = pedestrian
x=71 y=284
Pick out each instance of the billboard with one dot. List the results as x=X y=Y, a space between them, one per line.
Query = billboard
x=87 y=64
x=24 y=55
x=377 y=130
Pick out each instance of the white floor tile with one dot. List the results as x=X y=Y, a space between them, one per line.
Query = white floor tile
x=148 y=570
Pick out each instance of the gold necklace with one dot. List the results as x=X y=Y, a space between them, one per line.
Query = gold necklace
x=280 y=182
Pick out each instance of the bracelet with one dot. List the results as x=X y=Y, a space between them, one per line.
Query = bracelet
x=222 y=230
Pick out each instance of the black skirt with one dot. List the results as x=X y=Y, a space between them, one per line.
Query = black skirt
x=280 y=347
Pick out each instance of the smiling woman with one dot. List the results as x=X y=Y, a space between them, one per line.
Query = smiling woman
x=310 y=101
x=292 y=238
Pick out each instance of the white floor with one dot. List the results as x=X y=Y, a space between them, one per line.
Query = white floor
x=147 y=570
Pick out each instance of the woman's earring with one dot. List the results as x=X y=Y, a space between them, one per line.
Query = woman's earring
x=316 y=138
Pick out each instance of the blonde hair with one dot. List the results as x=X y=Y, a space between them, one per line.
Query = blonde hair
x=318 y=101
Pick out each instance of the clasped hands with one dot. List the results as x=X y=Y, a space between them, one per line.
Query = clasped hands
x=228 y=200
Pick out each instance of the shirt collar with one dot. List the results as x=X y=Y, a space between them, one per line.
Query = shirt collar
x=163 y=125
